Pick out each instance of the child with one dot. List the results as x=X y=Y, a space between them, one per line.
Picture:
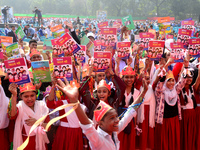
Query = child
x=105 y=137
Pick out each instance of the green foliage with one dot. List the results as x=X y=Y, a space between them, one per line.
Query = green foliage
x=180 y=9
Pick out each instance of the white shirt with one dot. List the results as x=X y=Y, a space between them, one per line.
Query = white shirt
x=101 y=140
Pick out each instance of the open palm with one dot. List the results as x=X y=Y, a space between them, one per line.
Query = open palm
x=70 y=91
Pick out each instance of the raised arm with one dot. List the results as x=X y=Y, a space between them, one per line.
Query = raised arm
x=13 y=89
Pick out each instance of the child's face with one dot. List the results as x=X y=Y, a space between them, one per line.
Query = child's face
x=103 y=93
x=170 y=83
x=110 y=122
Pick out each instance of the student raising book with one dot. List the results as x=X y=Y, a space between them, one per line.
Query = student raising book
x=105 y=137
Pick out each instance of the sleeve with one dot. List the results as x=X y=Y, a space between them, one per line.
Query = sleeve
x=159 y=89
x=180 y=85
x=53 y=104
x=128 y=116
x=73 y=33
x=92 y=135
x=176 y=70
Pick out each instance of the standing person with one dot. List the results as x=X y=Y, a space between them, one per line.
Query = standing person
x=4 y=121
x=127 y=136
x=7 y=30
x=168 y=112
x=25 y=114
x=5 y=14
x=105 y=137
x=13 y=34
x=38 y=12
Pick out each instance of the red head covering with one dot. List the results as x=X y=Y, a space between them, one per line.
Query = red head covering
x=128 y=71
x=101 y=110
x=103 y=83
x=34 y=52
x=27 y=87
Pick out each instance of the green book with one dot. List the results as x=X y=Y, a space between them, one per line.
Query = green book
x=47 y=46
x=12 y=51
x=89 y=44
x=20 y=33
x=41 y=71
x=128 y=22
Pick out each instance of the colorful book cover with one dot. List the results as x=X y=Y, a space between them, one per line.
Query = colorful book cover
x=168 y=36
x=6 y=41
x=177 y=52
x=155 y=49
x=153 y=31
x=17 y=71
x=144 y=39
x=183 y=36
x=108 y=37
x=81 y=54
x=103 y=24
x=123 y=50
x=163 y=19
x=101 y=61
x=89 y=44
x=2 y=70
x=128 y=22
x=20 y=33
x=63 y=68
x=1 y=55
x=12 y=51
x=57 y=50
x=81 y=35
x=68 y=44
x=97 y=46
x=188 y=25
x=57 y=31
x=41 y=71
x=194 y=47
x=47 y=46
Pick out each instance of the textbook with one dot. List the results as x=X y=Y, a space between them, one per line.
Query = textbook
x=97 y=46
x=194 y=47
x=101 y=61
x=17 y=71
x=103 y=24
x=41 y=71
x=68 y=44
x=183 y=35
x=108 y=37
x=89 y=44
x=144 y=39
x=123 y=50
x=63 y=68
x=20 y=33
x=177 y=52
x=6 y=41
x=128 y=22
x=81 y=54
x=57 y=31
x=155 y=49
x=57 y=51
x=47 y=46
x=12 y=51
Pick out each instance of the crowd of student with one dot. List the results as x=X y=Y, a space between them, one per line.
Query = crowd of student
x=136 y=103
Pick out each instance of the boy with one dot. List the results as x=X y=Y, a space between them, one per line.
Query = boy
x=105 y=137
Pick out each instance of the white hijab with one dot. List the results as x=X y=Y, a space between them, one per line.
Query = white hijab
x=171 y=96
x=4 y=121
x=40 y=109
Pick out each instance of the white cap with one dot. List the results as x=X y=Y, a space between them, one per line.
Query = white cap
x=90 y=34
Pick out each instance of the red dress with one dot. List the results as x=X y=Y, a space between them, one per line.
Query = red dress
x=67 y=137
x=4 y=140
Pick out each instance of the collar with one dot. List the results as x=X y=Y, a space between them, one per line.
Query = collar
x=102 y=132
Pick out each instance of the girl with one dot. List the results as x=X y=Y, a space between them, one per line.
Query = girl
x=168 y=113
x=4 y=121
x=26 y=113
x=127 y=137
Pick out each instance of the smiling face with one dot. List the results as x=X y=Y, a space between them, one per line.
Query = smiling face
x=129 y=80
x=103 y=93
x=109 y=123
x=170 y=83
x=29 y=98
x=189 y=80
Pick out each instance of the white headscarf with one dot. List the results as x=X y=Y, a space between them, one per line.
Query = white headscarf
x=171 y=96
x=4 y=121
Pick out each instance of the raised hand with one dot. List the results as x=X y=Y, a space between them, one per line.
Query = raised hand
x=13 y=89
x=71 y=92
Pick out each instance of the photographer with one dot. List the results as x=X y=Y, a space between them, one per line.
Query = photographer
x=5 y=13
x=38 y=12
